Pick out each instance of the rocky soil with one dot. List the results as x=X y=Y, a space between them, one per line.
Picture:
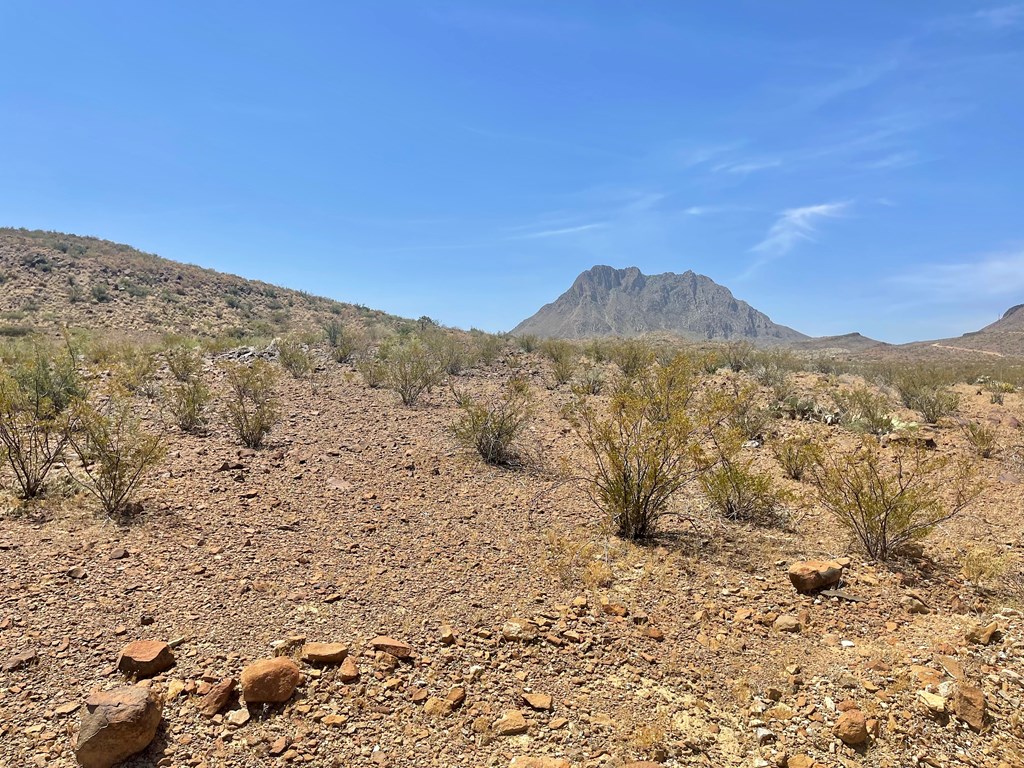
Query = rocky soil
x=478 y=616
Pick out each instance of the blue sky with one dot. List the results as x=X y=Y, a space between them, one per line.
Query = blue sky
x=840 y=165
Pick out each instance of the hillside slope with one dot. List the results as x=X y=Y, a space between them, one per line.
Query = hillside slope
x=1004 y=337
x=604 y=301
x=49 y=280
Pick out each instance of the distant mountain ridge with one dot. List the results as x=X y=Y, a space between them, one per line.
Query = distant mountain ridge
x=604 y=301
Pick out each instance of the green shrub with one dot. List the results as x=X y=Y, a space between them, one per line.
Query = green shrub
x=410 y=370
x=738 y=493
x=563 y=356
x=188 y=402
x=863 y=410
x=527 y=342
x=737 y=355
x=934 y=403
x=252 y=407
x=590 y=381
x=135 y=369
x=185 y=362
x=493 y=429
x=295 y=357
x=373 y=370
x=745 y=412
x=982 y=438
x=36 y=392
x=889 y=500
x=115 y=451
x=345 y=341
x=633 y=356
x=924 y=390
x=647 y=447
x=796 y=455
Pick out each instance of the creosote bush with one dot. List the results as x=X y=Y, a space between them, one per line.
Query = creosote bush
x=188 y=402
x=647 y=447
x=37 y=390
x=296 y=357
x=925 y=391
x=563 y=356
x=493 y=429
x=410 y=370
x=862 y=410
x=185 y=362
x=115 y=451
x=252 y=407
x=888 y=499
x=982 y=438
x=633 y=356
x=796 y=455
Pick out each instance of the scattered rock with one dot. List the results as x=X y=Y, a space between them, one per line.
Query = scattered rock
x=396 y=648
x=447 y=635
x=983 y=634
x=116 y=725
x=811 y=575
x=218 y=697
x=270 y=681
x=539 y=762
x=787 y=623
x=511 y=723
x=18 y=661
x=238 y=717
x=436 y=707
x=78 y=572
x=145 y=658
x=935 y=704
x=349 y=671
x=324 y=653
x=970 y=706
x=519 y=630
x=852 y=727
x=538 y=701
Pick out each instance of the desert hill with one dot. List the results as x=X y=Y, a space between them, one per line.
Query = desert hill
x=1003 y=337
x=49 y=280
x=604 y=301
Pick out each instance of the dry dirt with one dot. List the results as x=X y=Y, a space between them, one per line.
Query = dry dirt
x=363 y=518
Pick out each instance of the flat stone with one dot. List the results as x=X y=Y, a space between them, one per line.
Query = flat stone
x=511 y=723
x=538 y=701
x=218 y=697
x=145 y=658
x=324 y=653
x=810 y=575
x=396 y=648
x=970 y=706
x=787 y=623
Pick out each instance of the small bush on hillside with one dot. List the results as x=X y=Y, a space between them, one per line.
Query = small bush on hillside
x=486 y=347
x=891 y=499
x=115 y=451
x=590 y=381
x=982 y=438
x=863 y=410
x=345 y=341
x=647 y=447
x=373 y=370
x=296 y=357
x=924 y=390
x=36 y=393
x=185 y=362
x=450 y=353
x=796 y=455
x=737 y=355
x=136 y=370
x=252 y=407
x=563 y=356
x=745 y=412
x=980 y=565
x=934 y=403
x=188 y=402
x=411 y=370
x=738 y=493
x=527 y=342
x=493 y=429
x=633 y=356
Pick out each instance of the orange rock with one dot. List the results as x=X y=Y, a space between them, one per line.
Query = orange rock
x=852 y=727
x=396 y=648
x=811 y=575
x=270 y=680
x=116 y=725
x=145 y=658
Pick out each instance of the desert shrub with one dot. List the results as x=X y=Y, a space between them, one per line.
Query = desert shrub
x=101 y=293
x=345 y=341
x=136 y=369
x=888 y=500
x=296 y=357
x=450 y=352
x=563 y=357
x=598 y=350
x=590 y=381
x=527 y=342
x=738 y=493
x=982 y=438
x=800 y=408
x=924 y=390
x=252 y=407
x=115 y=451
x=796 y=455
x=486 y=346
x=188 y=402
x=373 y=370
x=184 y=362
x=982 y=564
x=633 y=356
x=934 y=403
x=772 y=369
x=737 y=355
x=745 y=413
x=410 y=370
x=493 y=429
x=865 y=411
x=36 y=392
x=647 y=447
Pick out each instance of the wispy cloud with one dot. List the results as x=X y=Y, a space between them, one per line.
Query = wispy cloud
x=992 y=275
x=747 y=166
x=795 y=225
x=1001 y=17
x=893 y=161
x=562 y=231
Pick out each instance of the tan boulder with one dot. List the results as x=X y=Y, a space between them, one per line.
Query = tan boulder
x=511 y=723
x=970 y=706
x=270 y=681
x=396 y=648
x=218 y=697
x=852 y=727
x=349 y=671
x=324 y=653
x=787 y=623
x=116 y=725
x=538 y=701
x=811 y=575
x=145 y=658
x=519 y=630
